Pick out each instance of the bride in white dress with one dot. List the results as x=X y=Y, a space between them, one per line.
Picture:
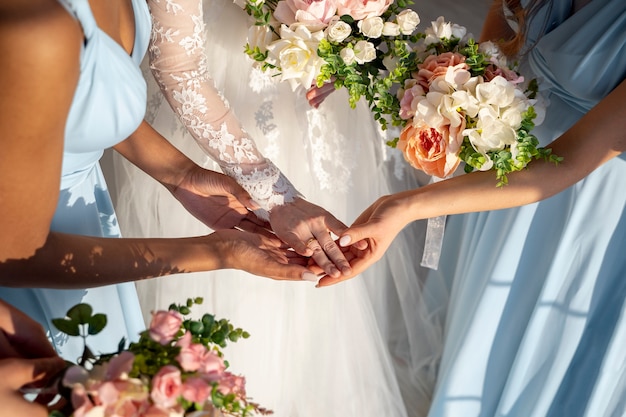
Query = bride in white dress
x=368 y=347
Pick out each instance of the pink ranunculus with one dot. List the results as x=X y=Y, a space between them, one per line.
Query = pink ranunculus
x=196 y=390
x=166 y=387
x=232 y=384
x=314 y=14
x=432 y=150
x=164 y=326
x=362 y=9
x=437 y=65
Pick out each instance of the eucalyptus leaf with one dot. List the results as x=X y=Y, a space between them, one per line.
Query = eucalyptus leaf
x=96 y=323
x=80 y=312
x=69 y=327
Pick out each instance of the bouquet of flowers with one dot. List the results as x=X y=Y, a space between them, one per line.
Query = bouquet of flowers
x=460 y=101
x=176 y=369
x=348 y=42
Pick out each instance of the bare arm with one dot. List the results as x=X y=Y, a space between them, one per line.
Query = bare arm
x=596 y=138
x=41 y=44
x=38 y=77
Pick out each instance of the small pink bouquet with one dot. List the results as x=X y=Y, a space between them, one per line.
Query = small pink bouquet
x=460 y=101
x=176 y=369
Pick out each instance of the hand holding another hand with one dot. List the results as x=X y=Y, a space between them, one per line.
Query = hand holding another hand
x=307 y=229
x=378 y=225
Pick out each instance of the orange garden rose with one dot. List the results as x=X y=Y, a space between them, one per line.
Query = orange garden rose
x=434 y=151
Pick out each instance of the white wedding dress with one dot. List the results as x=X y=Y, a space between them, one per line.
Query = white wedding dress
x=368 y=347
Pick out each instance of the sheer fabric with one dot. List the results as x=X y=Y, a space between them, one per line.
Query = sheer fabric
x=367 y=347
x=178 y=63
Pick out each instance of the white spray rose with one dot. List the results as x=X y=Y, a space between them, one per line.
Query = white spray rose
x=391 y=29
x=441 y=29
x=338 y=31
x=364 y=51
x=347 y=54
x=372 y=27
x=407 y=21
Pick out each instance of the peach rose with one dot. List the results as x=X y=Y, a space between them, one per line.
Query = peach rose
x=362 y=9
x=166 y=387
x=164 y=326
x=436 y=66
x=434 y=151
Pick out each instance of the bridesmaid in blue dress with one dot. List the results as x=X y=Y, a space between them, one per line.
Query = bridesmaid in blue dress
x=64 y=101
x=536 y=324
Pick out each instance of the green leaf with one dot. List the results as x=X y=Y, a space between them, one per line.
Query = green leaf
x=80 y=313
x=69 y=327
x=96 y=323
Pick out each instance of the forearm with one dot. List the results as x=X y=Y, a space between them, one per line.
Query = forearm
x=153 y=154
x=72 y=261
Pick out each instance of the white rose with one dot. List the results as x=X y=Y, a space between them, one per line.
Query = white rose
x=372 y=27
x=391 y=29
x=408 y=21
x=296 y=55
x=347 y=54
x=364 y=51
x=338 y=31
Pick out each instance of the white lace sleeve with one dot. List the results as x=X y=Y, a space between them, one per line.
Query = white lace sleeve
x=178 y=63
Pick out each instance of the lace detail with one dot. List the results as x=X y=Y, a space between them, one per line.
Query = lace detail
x=178 y=63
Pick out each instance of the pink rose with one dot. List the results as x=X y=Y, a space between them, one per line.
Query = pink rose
x=166 y=387
x=80 y=401
x=362 y=9
x=434 y=151
x=315 y=14
x=164 y=326
x=436 y=66
x=232 y=384
x=196 y=357
x=407 y=107
x=196 y=390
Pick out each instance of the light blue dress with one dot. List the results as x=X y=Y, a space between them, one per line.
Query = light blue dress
x=537 y=319
x=109 y=104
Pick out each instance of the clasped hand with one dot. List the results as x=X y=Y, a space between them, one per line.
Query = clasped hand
x=220 y=203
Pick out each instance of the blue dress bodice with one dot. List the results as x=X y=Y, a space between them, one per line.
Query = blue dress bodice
x=110 y=99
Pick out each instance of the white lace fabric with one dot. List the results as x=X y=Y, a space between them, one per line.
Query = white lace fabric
x=178 y=63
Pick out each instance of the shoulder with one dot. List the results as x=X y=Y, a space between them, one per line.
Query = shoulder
x=38 y=32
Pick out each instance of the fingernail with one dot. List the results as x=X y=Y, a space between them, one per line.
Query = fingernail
x=309 y=276
x=254 y=205
x=345 y=240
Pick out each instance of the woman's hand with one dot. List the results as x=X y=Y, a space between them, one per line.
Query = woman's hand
x=260 y=255
x=307 y=229
x=316 y=95
x=378 y=225
x=218 y=201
